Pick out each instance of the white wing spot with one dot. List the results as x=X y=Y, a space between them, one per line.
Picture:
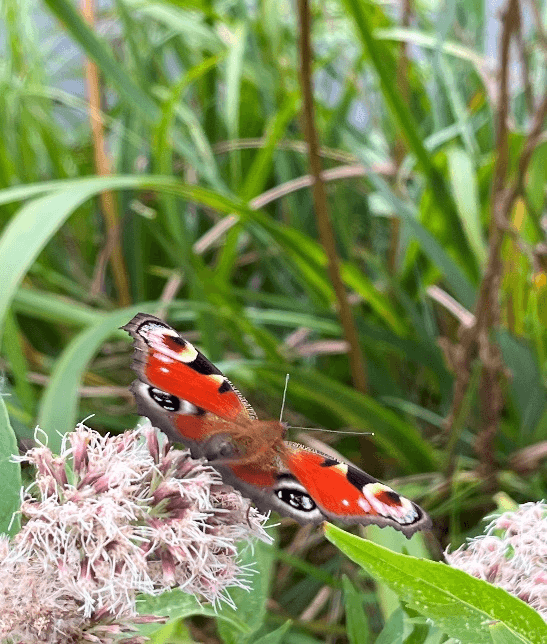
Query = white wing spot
x=187 y=408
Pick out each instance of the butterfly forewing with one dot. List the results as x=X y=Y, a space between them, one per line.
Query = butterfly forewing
x=168 y=362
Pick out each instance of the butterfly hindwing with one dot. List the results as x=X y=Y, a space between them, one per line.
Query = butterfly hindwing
x=189 y=399
x=347 y=494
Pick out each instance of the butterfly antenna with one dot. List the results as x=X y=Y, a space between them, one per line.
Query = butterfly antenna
x=284 y=396
x=334 y=431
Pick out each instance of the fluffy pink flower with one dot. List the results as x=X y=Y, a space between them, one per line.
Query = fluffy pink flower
x=109 y=518
x=512 y=554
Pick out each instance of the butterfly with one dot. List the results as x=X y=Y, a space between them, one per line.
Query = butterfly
x=193 y=403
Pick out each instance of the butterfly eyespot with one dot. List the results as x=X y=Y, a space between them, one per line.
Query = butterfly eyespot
x=297 y=500
x=164 y=400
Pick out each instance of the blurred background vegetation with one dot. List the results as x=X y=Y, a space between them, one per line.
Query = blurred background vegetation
x=154 y=157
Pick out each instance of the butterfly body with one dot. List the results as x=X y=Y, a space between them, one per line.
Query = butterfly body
x=191 y=401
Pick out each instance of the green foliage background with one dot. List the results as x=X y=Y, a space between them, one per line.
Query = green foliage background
x=201 y=110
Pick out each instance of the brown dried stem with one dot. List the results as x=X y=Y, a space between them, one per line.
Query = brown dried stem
x=403 y=67
x=113 y=249
x=476 y=341
x=324 y=225
x=525 y=64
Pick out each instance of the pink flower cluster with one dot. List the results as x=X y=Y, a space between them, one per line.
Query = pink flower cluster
x=512 y=554
x=109 y=518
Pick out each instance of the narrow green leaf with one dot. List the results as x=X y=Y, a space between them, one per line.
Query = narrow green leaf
x=461 y=605
x=311 y=260
x=459 y=107
x=454 y=276
x=250 y=606
x=503 y=635
x=68 y=14
x=234 y=71
x=527 y=385
x=35 y=223
x=393 y=631
x=234 y=68
x=537 y=179
x=431 y=41
x=54 y=308
x=275 y=129
x=356 y=619
x=13 y=350
x=10 y=475
x=182 y=20
x=466 y=192
x=181 y=605
x=275 y=637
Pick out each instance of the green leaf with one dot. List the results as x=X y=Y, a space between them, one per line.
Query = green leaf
x=177 y=604
x=526 y=385
x=13 y=350
x=537 y=178
x=68 y=14
x=356 y=619
x=187 y=23
x=275 y=637
x=461 y=605
x=234 y=70
x=174 y=632
x=257 y=174
x=28 y=232
x=466 y=192
x=10 y=475
x=250 y=605
x=502 y=635
x=431 y=41
x=54 y=308
x=455 y=277
x=311 y=261
x=396 y=542
x=393 y=631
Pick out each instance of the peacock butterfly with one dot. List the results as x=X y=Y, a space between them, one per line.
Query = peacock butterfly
x=189 y=399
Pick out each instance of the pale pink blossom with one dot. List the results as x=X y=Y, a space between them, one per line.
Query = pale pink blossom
x=108 y=519
x=512 y=554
